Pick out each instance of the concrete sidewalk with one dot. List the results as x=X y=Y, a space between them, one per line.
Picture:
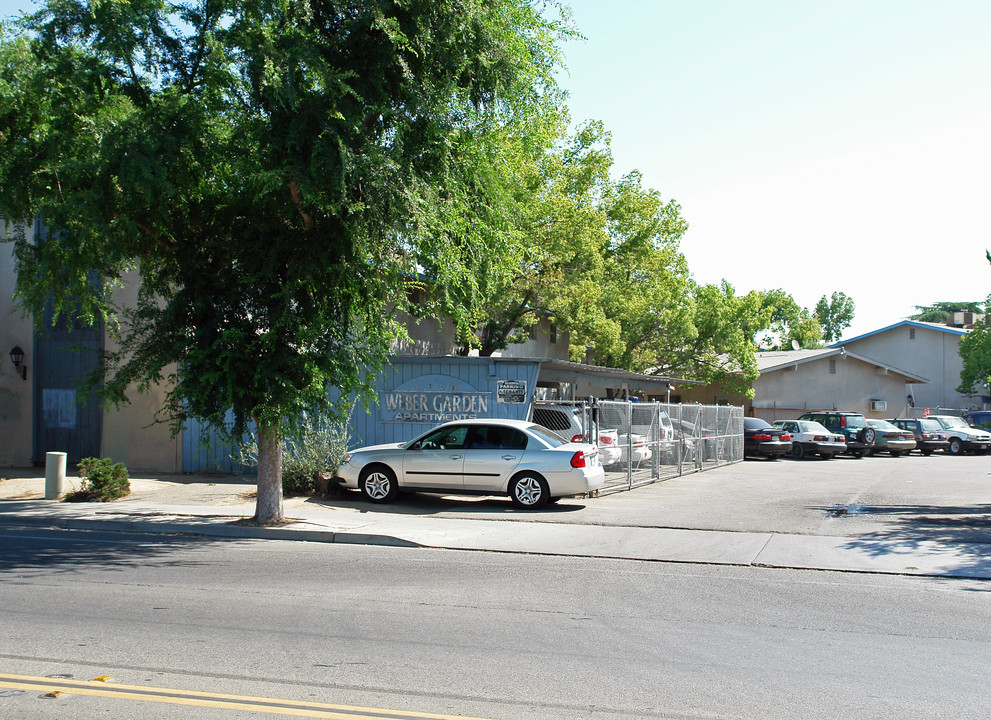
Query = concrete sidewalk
x=221 y=509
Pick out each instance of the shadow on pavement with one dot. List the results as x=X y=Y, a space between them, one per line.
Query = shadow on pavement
x=923 y=529
x=48 y=551
x=425 y=504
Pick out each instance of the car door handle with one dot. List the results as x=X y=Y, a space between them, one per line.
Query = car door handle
x=508 y=457
x=455 y=457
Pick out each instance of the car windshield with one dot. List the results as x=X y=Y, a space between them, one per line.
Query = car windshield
x=548 y=436
x=953 y=422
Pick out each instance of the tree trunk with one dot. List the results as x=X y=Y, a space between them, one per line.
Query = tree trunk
x=268 y=506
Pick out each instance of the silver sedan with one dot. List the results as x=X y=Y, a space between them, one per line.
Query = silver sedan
x=528 y=462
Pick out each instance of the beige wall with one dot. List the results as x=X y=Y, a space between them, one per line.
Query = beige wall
x=933 y=354
x=16 y=398
x=126 y=435
x=710 y=395
x=542 y=343
x=130 y=434
x=811 y=386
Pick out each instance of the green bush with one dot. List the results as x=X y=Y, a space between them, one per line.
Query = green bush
x=313 y=449
x=103 y=480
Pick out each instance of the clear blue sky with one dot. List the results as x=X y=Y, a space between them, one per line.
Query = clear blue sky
x=813 y=145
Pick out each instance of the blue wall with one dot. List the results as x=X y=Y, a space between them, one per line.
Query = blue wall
x=414 y=395
x=471 y=390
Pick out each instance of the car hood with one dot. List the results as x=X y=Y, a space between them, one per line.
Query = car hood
x=373 y=448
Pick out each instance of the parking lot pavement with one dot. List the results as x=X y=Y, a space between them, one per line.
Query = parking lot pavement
x=940 y=496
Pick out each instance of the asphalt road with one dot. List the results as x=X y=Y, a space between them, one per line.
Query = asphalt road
x=479 y=634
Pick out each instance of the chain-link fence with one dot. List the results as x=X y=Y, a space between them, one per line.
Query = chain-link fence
x=641 y=443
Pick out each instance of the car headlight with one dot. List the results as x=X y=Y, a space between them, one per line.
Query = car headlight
x=346 y=459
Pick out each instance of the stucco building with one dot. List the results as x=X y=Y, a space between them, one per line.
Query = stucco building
x=924 y=349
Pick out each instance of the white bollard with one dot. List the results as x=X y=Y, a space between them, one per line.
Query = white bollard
x=54 y=474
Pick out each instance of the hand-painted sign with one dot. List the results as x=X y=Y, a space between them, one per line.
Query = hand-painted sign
x=433 y=399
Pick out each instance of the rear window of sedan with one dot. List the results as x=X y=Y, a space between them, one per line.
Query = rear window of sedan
x=548 y=436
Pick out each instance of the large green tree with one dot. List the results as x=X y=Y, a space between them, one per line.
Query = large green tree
x=273 y=170
x=975 y=351
x=646 y=283
x=834 y=315
x=554 y=226
x=940 y=312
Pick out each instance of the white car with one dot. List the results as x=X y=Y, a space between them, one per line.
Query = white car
x=568 y=421
x=528 y=462
x=609 y=450
x=811 y=438
x=962 y=436
x=635 y=448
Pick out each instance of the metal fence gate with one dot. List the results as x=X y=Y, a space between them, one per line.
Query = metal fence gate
x=641 y=443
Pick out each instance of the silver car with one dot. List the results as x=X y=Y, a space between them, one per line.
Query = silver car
x=528 y=462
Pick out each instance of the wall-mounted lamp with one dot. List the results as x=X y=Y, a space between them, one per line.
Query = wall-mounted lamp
x=17 y=357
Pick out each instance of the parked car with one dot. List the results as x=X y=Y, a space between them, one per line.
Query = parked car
x=609 y=450
x=811 y=438
x=526 y=461
x=762 y=438
x=698 y=443
x=853 y=427
x=568 y=421
x=891 y=439
x=980 y=419
x=963 y=437
x=928 y=433
x=634 y=446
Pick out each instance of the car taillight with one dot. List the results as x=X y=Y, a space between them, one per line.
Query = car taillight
x=842 y=421
x=576 y=438
x=578 y=460
x=605 y=439
x=820 y=438
x=786 y=436
x=762 y=436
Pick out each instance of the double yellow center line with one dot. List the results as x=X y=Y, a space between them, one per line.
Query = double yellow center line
x=215 y=700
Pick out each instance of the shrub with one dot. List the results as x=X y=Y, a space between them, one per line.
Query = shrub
x=102 y=480
x=314 y=449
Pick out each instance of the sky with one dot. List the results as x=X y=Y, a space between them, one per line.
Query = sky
x=813 y=145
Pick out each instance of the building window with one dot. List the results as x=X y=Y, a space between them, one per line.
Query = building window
x=911 y=333
x=553 y=333
x=832 y=366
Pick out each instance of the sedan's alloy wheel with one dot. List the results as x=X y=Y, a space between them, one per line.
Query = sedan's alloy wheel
x=378 y=485
x=529 y=491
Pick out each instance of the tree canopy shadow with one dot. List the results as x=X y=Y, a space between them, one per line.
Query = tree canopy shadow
x=54 y=551
x=964 y=530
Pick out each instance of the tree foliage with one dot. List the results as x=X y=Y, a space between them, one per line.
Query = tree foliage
x=835 y=314
x=940 y=312
x=273 y=170
x=975 y=351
